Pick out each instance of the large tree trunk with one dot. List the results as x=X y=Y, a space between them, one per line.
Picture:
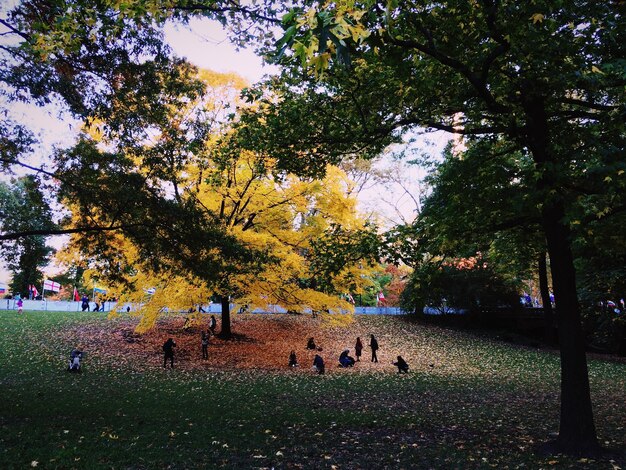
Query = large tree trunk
x=544 y=291
x=225 y=331
x=577 y=432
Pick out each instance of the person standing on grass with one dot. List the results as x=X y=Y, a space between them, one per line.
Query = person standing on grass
x=20 y=306
x=358 y=348
x=205 y=345
x=374 y=347
x=168 y=352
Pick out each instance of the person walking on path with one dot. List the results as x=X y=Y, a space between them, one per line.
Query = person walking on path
x=20 y=306
x=205 y=345
x=168 y=352
x=374 y=347
x=358 y=348
x=212 y=325
x=85 y=303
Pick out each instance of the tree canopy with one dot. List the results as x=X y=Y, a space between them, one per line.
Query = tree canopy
x=213 y=216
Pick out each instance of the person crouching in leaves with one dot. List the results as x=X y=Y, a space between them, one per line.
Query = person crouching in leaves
x=293 y=361
x=401 y=365
x=318 y=364
x=345 y=360
x=168 y=352
x=205 y=345
x=310 y=344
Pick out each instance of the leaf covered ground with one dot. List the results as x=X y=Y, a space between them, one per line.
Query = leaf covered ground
x=468 y=402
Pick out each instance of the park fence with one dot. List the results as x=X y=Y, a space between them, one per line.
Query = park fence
x=213 y=308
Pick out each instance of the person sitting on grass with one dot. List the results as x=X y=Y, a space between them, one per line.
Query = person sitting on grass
x=75 y=356
x=401 y=365
x=345 y=360
x=293 y=361
x=318 y=364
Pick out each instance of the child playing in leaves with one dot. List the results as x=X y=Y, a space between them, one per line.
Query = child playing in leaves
x=293 y=361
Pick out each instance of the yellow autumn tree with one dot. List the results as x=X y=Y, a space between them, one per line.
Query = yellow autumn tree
x=274 y=216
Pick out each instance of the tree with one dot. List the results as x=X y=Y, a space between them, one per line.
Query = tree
x=190 y=192
x=547 y=76
x=483 y=204
x=23 y=207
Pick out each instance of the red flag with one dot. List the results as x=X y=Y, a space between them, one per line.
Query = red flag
x=76 y=296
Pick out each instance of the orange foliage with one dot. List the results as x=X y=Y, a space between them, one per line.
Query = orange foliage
x=261 y=342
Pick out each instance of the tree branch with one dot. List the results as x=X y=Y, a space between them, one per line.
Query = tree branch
x=5 y=23
x=235 y=8
x=477 y=82
x=29 y=233
x=588 y=104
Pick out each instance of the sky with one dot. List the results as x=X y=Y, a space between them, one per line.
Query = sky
x=204 y=43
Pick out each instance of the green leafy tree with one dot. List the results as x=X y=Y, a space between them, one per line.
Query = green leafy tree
x=23 y=208
x=546 y=76
x=483 y=202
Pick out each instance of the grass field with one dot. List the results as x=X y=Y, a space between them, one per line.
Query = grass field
x=468 y=402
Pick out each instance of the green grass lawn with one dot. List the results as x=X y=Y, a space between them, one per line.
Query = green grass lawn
x=490 y=411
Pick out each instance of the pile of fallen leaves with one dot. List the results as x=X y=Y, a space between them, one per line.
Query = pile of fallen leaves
x=259 y=342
